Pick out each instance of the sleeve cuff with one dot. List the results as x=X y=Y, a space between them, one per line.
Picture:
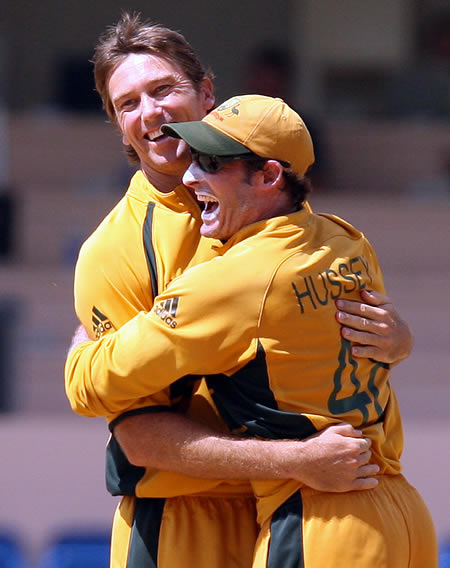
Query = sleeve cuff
x=137 y=411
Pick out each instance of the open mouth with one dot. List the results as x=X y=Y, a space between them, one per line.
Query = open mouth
x=210 y=204
x=155 y=135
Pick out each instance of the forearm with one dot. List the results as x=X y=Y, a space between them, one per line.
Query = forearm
x=334 y=460
x=171 y=442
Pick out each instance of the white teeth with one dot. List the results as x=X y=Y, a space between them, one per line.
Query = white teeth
x=206 y=198
x=155 y=134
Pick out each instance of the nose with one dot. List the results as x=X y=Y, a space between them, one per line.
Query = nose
x=149 y=107
x=192 y=175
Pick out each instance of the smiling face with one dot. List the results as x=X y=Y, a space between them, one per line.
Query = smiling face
x=146 y=92
x=228 y=197
x=236 y=196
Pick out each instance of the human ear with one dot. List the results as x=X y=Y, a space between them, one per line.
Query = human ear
x=273 y=173
x=207 y=92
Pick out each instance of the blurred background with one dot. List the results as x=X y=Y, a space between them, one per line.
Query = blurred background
x=371 y=80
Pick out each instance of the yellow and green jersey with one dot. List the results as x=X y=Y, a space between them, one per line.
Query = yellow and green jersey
x=259 y=321
x=146 y=240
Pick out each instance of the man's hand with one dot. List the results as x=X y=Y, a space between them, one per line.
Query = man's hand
x=375 y=328
x=337 y=460
x=80 y=336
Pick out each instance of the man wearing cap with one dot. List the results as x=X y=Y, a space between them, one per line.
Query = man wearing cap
x=170 y=463
x=258 y=320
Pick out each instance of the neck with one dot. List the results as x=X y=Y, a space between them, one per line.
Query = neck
x=279 y=204
x=162 y=182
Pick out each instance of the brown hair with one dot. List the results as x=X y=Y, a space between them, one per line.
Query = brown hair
x=133 y=35
x=297 y=186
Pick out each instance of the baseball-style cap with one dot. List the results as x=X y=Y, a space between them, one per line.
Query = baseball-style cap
x=248 y=124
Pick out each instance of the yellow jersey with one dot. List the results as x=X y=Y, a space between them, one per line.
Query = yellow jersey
x=259 y=321
x=148 y=238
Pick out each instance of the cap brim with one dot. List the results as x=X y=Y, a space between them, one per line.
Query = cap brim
x=204 y=138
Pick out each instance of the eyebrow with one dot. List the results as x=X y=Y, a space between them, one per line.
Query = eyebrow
x=154 y=82
x=115 y=101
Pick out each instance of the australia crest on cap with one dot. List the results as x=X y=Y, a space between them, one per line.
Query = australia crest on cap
x=227 y=109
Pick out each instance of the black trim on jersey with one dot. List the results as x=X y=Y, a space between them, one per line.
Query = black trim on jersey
x=99 y=314
x=144 y=410
x=143 y=550
x=149 y=251
x=286 y=535
x=121 y=476
x=182 y=389
x=247 y=404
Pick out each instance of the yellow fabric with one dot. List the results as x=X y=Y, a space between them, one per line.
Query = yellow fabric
x=195 y=531
x=386 y=527
x=271 y=290
x=121 y=531
x=112 y=276
x=267 y=126
x=273 y=287
x=112 y=273
x=208 y=532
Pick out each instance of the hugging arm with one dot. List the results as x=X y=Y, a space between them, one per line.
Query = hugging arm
x=335 y=459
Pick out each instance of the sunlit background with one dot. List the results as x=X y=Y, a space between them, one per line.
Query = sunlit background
x=371 y=79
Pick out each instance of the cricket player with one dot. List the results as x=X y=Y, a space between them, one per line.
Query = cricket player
x=236 y=319
x=148 y=75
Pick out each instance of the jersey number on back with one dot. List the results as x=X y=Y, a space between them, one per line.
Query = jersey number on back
x=359 y=399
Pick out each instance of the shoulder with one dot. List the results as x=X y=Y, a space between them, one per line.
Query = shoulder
x=232 y=283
